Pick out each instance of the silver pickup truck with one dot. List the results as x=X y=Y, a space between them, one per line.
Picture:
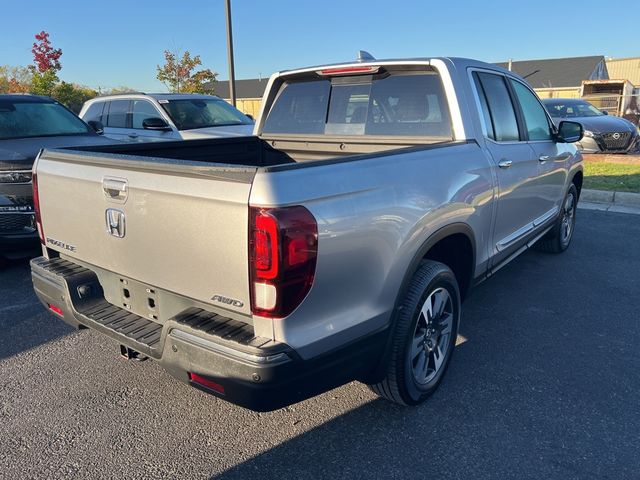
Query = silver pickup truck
x=335 y=244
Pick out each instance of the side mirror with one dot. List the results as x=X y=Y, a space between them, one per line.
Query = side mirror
x=605 y=112
x=155 y=123
x=97 y=126
x=569 y=132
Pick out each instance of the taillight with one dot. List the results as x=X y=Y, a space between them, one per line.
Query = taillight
x=36 y=207
x=283 y=246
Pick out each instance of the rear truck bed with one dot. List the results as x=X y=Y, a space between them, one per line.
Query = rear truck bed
x=176 y=286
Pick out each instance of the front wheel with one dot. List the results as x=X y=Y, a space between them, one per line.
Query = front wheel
x=424 y=336
x=559 y=237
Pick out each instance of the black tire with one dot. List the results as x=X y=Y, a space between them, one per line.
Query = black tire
x=557 y=240
x=400 y=384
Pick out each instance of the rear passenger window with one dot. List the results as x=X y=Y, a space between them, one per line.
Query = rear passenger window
x=142 y=110
x=118 y=110
x=94 y=112
x=503 y=126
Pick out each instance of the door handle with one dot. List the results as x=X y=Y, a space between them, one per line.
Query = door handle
x=133 y=135
x=557 y=158
x=505 y=163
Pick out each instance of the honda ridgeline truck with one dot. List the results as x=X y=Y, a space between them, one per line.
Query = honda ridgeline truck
x=335 y=244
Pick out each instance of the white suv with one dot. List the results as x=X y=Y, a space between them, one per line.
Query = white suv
x=140 y=117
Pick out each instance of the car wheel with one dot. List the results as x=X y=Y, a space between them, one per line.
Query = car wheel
x=559 y=237
x=424 y=336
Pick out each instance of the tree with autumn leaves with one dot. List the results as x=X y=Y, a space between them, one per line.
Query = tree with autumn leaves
x=178 y=74
x=47 y=65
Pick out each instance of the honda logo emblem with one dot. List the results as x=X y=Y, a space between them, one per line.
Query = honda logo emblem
x=115 y=222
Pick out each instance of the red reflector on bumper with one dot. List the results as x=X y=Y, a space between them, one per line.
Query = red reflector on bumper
x=56 y=309
x=205 y=382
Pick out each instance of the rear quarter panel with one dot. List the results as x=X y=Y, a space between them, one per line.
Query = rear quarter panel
x=373 y=216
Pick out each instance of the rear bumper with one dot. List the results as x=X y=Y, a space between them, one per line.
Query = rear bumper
x=253 y=372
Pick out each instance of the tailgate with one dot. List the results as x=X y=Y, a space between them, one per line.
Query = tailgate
x=177 y=226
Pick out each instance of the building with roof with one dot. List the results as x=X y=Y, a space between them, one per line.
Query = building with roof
x=625 y=69
x=559 y=77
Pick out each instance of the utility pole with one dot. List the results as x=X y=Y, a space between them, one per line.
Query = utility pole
x=232 y=76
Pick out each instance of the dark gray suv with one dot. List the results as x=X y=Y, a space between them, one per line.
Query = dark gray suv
x=603 y=133
x=29 y=123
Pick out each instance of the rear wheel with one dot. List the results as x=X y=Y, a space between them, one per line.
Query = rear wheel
x=424 y=336
x=559 y=237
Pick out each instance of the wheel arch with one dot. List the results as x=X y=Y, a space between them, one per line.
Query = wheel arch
x=438 y=247
x=431 y=249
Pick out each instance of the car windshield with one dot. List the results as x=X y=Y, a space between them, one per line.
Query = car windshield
x=19 y=119
x=572 y=109
x=191 y=113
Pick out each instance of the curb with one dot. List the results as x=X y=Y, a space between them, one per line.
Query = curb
x=618 y=202
x=621 y=199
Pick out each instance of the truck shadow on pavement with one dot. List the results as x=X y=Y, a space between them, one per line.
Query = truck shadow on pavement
x=24 y=323
x=545 y=386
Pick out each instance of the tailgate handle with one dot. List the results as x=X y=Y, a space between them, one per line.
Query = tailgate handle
x=115 y=188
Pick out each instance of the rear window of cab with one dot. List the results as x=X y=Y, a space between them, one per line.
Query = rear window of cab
x=412 y=104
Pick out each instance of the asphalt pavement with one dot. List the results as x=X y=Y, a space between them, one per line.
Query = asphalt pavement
x=544 y=384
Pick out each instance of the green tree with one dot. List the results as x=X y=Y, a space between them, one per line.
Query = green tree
x=179 y=76
x=73 y=96
x=120 y=89
x=44 y=83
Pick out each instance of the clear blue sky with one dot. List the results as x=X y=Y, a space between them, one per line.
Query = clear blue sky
x=117 y=42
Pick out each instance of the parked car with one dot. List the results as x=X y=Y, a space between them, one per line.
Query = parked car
x=139 y=117
x=603 y=133
x=337 y=244
x=29 y=123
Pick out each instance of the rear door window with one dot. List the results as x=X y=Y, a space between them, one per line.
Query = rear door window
x=392 y=105
x=118 y=113
x=503 y=126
